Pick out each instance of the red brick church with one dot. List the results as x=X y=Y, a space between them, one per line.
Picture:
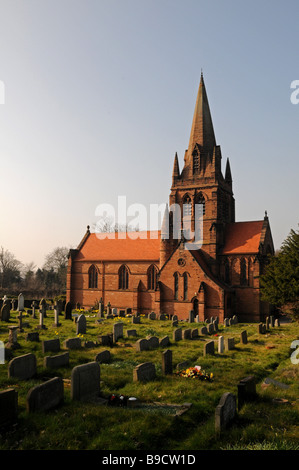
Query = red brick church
x=156 y=272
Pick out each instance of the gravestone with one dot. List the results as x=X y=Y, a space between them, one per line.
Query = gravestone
x=118 y=331
x=114 y=312
x=203 y=330
x=106 y=340
x=33 y=308
x=153 y=342
x=272 y=321
x=225 y=412
x=68 y=311
x=187 y=333
x=101 y=309
x=22 y=367
x=43 y=307
x=81 y=325
x=226 y=322
x=52 y=345
x=191 y=316
x=177 y=334
x=61 y=360
x=277 y=322
x=194 y=333
x=152 y=316
x=162 y=317
x=243 y=337
x=85 y=381
x=131 y=333
x=13 y=338
x=229 y=344
x=163 y=342
x=235 y=319
x=41 y=325
x=21 y=301
x=182 y=365
x=45 y=396
x=261 y=328
x=142 y=345
x=8 y=407
x=246 y=391
x=211 y=329
x=267 y=323
x=167 y=362
x=56 y=323
x=103 y=357
x=220 y=344
x=174 y=323
x=208 y=348
x=144 y=372
x=34 y=336
x=5 y=311
x=72 y=343
x=13 y=302
x=215 y=325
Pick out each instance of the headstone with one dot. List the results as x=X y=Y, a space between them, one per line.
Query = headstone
x=177 y=334
x=56 y=323
x=153 y=342
x=131 y=333
x=118 y=331
x=167 y=362
x=163 y=342
x=277 y=322
x=43 y=307
x=174 y=323
x=135 y=319
x=144 y=372
x=182 y=365
x=162 y=317
x=226 y=322
x=261 y=328
x=225 y=412
x=246 y=391
x=41 y=325
x=13 y=304
x=20 y=320
x=243 y=337
x=45 y=396
x=191 y=316
x=8 y=407
x=33 y=336
x=51 y=345
x=81 y=325
x=22 y=367
x=61 y=360
x=85 y=381
x=203 y=330
x=106 y=340
x=209 y=348
x=152 y=316
x=72 y=343
x=103 y=357
x=272 y=321
x=220 y=344
x=267 y=323
x=211 y=329
x=229 y=344
x=12 y=338
x=187 y=333
x=21 y=301
x=68 y=311
x=5 y=311
x=194 y=333
x=235 y=319
x=142 y=345
x=33 y=308
x=114 y=312
x=215 y=325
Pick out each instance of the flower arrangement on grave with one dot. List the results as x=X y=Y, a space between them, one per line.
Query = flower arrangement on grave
x=195 y=372
x=117 y=400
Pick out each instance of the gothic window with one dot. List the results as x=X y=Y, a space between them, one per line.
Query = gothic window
x=195 y=162
x=243 y=274
x=176 y=286
x=123 y=277
x=185 y=286
x=152 y=277
x=187 y=206
x=92 y=277
x=201 y=201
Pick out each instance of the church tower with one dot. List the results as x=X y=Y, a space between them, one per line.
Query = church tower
x=201 y=192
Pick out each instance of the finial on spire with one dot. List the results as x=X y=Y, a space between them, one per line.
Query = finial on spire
x=266 y=215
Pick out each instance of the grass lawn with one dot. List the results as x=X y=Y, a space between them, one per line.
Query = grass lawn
x=270 y=422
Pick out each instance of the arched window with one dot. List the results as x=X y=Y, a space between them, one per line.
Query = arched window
x=185 y=276
x=195 y=162
x=152 y=277
x=176 y=286
x=243 y=273
x=123 y=277
x=92 y=277
x=200 y=200
x=187 y=205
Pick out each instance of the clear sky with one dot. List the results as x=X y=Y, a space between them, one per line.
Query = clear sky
x=100 y=94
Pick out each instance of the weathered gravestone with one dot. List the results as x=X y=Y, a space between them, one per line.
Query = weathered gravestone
x=203 y=330
x=246 y=391
x=163 y=342
x=5 y=311
x=135 y=319
x=8 y=407
x=21 y=301
x=68 y=311
x=45 y=396
x=191 y=316
x=13 y=338
x=209 y=348
x=177 y=334
x=43 y=307
x=72 y=343
x=225 y=412
x=194 y=333
x=226 y=322
x=152 y=316
x=103 y=357
x=61 y=360
x=118 y=331
x=144 y=372
x=187 y=333
x=142 y=345
x=153 y=342
x=167 y=362
x=243 y=337
x=22 y=367
x=81 y=325
x=220 y=344
x=85 y=381
x=211 y=329
x=229 y=343
x=106 y=340
x=131 y=333
x=51 y=345
x=33 y=336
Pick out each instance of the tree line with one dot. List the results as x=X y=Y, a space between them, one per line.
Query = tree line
x=48 y=281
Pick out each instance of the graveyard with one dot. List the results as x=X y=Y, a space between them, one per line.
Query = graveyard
x=115 y=380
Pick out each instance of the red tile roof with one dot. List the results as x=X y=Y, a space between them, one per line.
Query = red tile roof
x=242 y=237
x=130 y=246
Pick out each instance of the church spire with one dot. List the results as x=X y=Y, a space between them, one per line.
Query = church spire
x=202 y=131
x=176 y=169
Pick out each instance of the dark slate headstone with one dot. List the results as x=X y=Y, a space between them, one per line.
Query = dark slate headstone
x=61 y=360
x=51 y=345
x=243 y=337
x=72 y=343
x=167 y=362
x=103 y=357
x=22 y=367
x=144 y=372
x=85 y=381
x=209 y=348
x=142 y=345
x=81 y=325
x=246 y=391
x=45 y=396
x=225 y=412
x=68 y=311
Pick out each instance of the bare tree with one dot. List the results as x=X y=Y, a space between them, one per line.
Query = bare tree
x=10 y=268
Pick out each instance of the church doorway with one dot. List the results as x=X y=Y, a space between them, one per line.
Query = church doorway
x=195 y=307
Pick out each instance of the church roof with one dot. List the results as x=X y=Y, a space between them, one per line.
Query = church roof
x=243 y=237
x=130 y=246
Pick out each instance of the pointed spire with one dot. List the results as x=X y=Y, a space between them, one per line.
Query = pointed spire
x=228 y=174
x=176 y=169
x=202 y=131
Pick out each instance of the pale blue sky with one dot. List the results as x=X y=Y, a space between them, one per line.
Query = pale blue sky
x=100 y=94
